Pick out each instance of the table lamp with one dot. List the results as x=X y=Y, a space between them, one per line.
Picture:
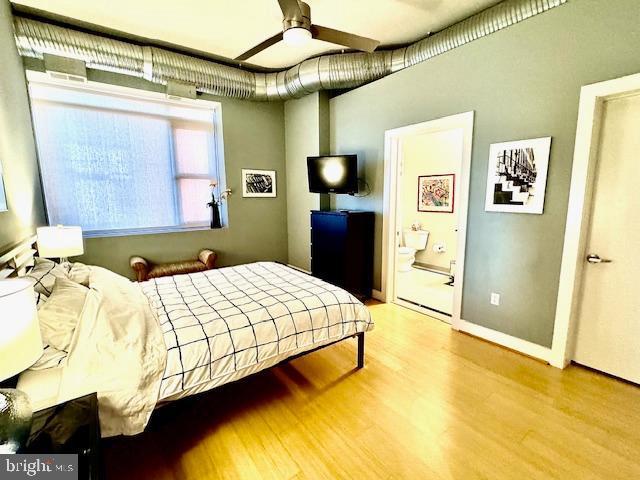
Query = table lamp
x=60 y=242
x=20 y=347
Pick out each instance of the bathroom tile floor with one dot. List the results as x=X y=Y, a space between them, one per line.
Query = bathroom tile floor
x=426 y=288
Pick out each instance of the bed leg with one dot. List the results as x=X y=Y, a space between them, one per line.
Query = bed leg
x=360 y=350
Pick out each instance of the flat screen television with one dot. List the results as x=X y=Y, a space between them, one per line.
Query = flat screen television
x=333 y=174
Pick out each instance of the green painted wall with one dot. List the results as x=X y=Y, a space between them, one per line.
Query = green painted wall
x=253 y=138
x=17 y=147
x=307 y=134
x=523 y=82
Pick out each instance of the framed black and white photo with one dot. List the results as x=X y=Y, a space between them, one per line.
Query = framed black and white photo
x=517 y=176
x=258 y=183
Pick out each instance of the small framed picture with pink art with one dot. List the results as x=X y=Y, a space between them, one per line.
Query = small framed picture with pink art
x=435 y=193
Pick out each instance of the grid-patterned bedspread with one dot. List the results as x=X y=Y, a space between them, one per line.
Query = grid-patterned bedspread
x=220 y=323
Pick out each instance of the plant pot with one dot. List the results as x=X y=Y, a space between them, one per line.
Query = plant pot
x=215 y=217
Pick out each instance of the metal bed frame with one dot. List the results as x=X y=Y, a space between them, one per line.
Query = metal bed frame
x=360 y=358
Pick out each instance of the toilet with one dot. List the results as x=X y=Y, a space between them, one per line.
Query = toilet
x=414 y=240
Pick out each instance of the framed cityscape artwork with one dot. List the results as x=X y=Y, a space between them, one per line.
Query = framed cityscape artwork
x=517 y=176
x=258 y=183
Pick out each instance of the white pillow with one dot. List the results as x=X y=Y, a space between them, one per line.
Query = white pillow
x=80 y=273
x=51 y=357
x=44 y=275
x=60 y=315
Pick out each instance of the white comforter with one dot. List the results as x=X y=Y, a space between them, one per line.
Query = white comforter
x=224 y=324
x=138 y=344
x=117 y=351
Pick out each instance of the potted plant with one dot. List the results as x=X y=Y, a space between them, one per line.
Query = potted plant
x=216 y=202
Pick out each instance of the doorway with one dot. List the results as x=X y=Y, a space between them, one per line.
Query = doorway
x=598 y=319
x=427 y=168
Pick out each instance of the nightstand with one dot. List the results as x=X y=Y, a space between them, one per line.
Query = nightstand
x=71 y=427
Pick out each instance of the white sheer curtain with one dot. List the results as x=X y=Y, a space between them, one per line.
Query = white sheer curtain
x=105 y=170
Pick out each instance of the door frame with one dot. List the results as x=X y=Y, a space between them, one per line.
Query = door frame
x=392 y=157
x=592 y=98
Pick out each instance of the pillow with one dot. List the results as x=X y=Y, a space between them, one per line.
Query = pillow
x=44 y=274
x=80 y=273
x=60 y=315
x=40 y=299
x=51 y=357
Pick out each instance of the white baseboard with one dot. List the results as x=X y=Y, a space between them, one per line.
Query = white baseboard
x=559 y=363
x=377 y=295
x=528 y=348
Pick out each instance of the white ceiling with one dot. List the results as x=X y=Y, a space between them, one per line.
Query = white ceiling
x=229 y=27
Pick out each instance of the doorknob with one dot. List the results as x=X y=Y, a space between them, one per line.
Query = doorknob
x=594 y=258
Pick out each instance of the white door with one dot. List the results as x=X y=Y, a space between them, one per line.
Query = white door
x=608 y=332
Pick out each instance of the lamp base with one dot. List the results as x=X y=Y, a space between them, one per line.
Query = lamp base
x=15 y=419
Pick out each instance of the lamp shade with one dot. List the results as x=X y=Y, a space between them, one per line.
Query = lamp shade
x=20 y=341
x=59 y=242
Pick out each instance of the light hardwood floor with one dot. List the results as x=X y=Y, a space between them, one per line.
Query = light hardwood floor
x=430 y=403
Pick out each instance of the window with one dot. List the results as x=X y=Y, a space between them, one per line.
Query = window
x=118 y=161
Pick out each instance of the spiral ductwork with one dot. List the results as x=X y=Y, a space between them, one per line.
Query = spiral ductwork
x=210 y=77
x=34 y=39
x=326 y=72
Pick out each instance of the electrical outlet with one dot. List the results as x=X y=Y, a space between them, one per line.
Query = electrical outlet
x=495 y=298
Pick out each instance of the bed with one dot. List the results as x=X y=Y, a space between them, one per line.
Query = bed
x=140 y=345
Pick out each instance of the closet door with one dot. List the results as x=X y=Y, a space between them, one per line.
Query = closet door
x=609 y=318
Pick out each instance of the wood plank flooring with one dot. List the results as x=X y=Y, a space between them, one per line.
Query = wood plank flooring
x=430 y=404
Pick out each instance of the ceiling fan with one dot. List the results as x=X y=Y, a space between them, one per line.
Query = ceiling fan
x=297 y=29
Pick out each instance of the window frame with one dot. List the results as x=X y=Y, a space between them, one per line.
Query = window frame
x=214 y=167
x=216 y=163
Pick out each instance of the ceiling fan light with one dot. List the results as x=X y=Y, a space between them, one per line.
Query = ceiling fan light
x=296 y=36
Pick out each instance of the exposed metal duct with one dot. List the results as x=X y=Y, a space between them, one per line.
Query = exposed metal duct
x=337 y=71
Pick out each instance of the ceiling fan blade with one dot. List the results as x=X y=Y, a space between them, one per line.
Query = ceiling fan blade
x=290 y=9
x=261 y=46
x=343 y=38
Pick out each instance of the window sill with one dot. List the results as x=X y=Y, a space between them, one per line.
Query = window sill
x=148 y=231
